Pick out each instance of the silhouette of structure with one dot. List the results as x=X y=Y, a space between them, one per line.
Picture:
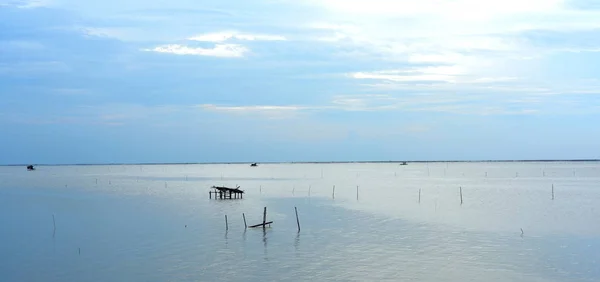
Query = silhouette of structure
x=226 y=193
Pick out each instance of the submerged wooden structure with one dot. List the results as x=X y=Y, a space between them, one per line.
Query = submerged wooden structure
x=221 y=192
x=264 y=223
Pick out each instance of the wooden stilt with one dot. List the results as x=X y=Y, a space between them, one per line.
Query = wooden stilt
x=297 y=220
x=264 y=223
x=264 y=216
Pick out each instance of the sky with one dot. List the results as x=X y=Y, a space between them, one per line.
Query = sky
x=135 y=81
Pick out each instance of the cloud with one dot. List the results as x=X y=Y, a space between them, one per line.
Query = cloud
x=220 y=50
x=452 y=9
x=448 y=74
x=368 y=102
x=442 y=44
x=270 y=111
x=432 y=102
x=103 y=32
x=26 y=4
x=228 y=35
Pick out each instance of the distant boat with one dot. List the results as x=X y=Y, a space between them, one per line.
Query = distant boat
x=254 y=164
x=403 y=163
x=30 y=167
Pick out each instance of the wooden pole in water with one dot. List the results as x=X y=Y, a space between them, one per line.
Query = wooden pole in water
x=293 y=189
x=419 y=195
x=245 y=225
x=333 y=193
x=260 y=189
x=357 y=192
x=226 y=224
x=552 y=191
x=54 y=222
x=265 y=217
x=309 y=186
x=297 y=220
x=461 y=199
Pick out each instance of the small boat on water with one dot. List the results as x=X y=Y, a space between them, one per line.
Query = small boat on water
x=254 y=164
x=30 y=168
x=403 y=163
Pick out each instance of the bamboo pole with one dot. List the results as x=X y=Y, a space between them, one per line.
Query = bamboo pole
x=297 y=220
x=265 y=217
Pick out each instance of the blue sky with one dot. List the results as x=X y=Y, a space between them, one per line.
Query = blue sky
x=302 y=80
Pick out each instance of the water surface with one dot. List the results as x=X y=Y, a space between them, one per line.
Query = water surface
x=156 y=223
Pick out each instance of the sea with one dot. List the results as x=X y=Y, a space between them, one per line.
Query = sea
x=437 y=221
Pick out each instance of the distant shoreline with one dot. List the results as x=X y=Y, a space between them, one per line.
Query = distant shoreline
x=324 y=162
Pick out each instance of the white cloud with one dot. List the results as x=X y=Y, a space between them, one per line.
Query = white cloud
x=102 y=32
x=455 y=9
x=26 y=4
x=256 y=108
x=430 y=102
x=449 y=74
x=220 y=50
x=482 y=43
x=228 y=35
x=270 y=111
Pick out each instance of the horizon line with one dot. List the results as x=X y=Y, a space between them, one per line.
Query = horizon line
x=314 y=162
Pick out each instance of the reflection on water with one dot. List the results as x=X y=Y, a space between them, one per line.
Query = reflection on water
x=156 y=223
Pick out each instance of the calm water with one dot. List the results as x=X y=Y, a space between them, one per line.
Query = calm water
x=156 y=223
